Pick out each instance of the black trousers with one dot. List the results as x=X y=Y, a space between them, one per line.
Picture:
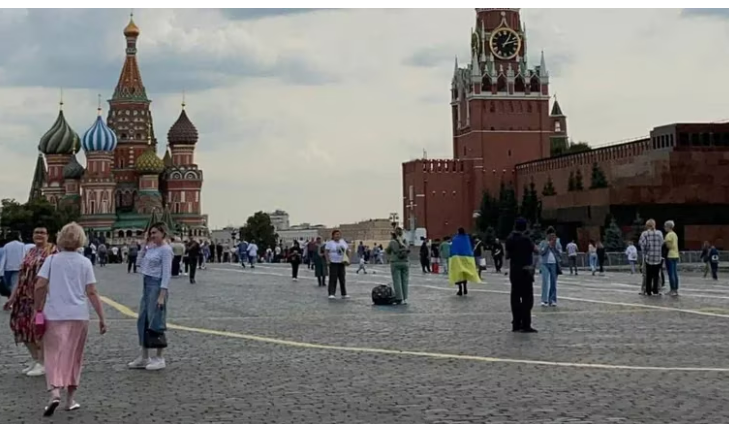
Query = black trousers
x=573 y=264
x=192 y=264
x=522 y=299
x=425 y=263
x=651 y=278
x=295 y=269
x=600 y=263
x=498 y=263
x=176 y=260
x=337 y=273
x=132 y=264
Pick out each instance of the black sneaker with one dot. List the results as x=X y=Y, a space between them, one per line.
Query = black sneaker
x=529 y=330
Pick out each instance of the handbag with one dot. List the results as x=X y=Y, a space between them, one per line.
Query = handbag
x=154 y=339
x=39 y=320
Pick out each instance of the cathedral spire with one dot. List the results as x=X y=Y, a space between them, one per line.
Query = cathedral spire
x=39 y=177
x=130 y=86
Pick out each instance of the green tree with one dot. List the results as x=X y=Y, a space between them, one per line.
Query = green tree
x=614 y=241
x=580 y=146
x=530 y=203
x=598 y=179
x=259 y=230
x=38 y=212
x=488 y=212
x=489 y=236
x=637 y=228
x=548 y=189
x=508 y=208
x=571 y=181
x=578 y=181
x=535 y=232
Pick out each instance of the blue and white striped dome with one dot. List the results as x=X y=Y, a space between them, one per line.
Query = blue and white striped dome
x=99 y=138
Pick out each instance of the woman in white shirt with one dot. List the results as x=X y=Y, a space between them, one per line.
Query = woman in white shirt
x=65 y=284
x=336 y=255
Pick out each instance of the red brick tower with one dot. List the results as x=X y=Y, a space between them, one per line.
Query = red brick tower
x=501 y=118
x=130 y=117
x=500 y=107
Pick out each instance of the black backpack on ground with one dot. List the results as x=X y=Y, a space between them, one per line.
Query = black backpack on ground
x=383 y=295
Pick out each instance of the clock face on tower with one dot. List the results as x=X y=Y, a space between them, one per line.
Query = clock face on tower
x=505 y=43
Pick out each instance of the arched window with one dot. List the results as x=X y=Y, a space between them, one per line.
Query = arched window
x=534 y=85
x=501 y=84
x=120 y=234
x=557 y=127
x=486 y=83
x=519 y=86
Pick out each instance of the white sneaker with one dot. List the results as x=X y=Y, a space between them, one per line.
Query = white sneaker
x=37 y=371
x=404 y=302
x=332 y=297
x=295 y=279
x=156 y=364
x=28 y=368
x=346 y=296
x=545 y=304
x=139 y=363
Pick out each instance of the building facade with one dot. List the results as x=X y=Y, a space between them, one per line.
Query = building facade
x=124 y=180
x=505 y=130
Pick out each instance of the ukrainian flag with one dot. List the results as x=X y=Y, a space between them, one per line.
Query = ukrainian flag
x=462 y=264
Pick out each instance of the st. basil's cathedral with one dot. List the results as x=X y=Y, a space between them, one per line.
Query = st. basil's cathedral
x=125 y=184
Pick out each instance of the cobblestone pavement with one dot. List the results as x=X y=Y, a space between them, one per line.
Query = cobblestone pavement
x=605 y=355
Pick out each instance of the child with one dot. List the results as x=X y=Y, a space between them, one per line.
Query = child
x=632 y=253
x=362 y=265
x=714 y=262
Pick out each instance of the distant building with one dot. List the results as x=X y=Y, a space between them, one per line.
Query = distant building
x=302 y=232
x=225 y=236
x=279 y=220
x=372 y=231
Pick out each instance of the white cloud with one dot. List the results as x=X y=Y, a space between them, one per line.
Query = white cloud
x=326 y=105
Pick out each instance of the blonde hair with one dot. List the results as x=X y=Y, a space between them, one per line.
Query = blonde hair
x=71 y=237
x=651 y=224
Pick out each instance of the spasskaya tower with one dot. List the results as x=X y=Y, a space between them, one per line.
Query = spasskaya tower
x=500 y=110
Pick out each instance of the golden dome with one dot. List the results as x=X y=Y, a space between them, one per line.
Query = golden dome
x=131 y=30
x=149 y=163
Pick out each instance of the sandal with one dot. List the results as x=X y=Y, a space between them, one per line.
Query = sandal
x=51 y=408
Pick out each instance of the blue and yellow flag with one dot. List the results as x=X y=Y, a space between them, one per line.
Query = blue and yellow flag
x=462 y=264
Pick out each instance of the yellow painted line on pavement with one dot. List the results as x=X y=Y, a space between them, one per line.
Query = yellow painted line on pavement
x=124 y=310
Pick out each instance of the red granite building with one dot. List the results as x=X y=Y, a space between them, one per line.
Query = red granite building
x=505 y=130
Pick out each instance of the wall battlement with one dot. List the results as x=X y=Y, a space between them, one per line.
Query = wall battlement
x=438 y=166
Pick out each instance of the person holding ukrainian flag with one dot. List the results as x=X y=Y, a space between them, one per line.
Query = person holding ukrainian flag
x=461 y=263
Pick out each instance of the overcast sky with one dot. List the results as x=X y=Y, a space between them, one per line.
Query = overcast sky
x=299 y=108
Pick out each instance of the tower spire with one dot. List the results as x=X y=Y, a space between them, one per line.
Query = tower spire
x=60 y=102
x=98 y=106
x=130 y=86
x=543 y=66
x=183 y=98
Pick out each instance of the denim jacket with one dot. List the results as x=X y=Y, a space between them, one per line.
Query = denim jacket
x=545 y=248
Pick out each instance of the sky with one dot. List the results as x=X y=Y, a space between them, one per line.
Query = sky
x=313 y=111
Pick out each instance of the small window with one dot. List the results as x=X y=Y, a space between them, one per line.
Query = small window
x=557 y=127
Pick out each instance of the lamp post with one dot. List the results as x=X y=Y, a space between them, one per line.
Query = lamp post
x=394 y=218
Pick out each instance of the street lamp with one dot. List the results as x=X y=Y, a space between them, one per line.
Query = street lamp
x=394 y=219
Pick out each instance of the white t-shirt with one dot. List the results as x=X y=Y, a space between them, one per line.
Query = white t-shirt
x=253 y=250
x=336 y=250
x=70 y=273
x=632 y=253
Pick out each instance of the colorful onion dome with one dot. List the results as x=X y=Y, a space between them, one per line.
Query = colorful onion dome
x=149 y=163
x=73 y=170
x=60 y=139
x=131 y=30
x=99 y=138
x=182 y=131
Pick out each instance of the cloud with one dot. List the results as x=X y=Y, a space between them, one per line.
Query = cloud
x=314 y=112
x=251 y=14
x=716 y=13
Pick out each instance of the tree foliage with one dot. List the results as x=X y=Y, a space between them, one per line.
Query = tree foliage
x=614 y=241
x=530 y=204
x=578 y=181
x=258 y=229
x=580 y=146
x=637 y=229
x=488 y=213
x=508 y=208
x=35 y=213
x=536 y=233
x=548 y=189
x=598 y=179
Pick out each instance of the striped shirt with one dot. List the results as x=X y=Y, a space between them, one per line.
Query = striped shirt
x=651 y=242
x=156 y=261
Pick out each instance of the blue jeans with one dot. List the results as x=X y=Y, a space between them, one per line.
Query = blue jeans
x=10 y=279
x=150 y=315
x=672 y=269
x=549 y=283
x=593 y=262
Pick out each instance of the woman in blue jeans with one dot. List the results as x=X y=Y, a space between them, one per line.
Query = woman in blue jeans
x=155 y=262
x=550 y=257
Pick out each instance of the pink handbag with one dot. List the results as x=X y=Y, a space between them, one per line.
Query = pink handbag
x=40 y=323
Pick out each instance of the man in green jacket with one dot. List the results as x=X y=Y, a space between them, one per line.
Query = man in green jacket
x=445 y=253
x=399 y=257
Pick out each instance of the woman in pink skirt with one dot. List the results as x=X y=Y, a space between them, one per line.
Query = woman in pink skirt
x=65 y=283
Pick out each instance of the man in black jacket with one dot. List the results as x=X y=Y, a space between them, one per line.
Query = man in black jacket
x=520 y=252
